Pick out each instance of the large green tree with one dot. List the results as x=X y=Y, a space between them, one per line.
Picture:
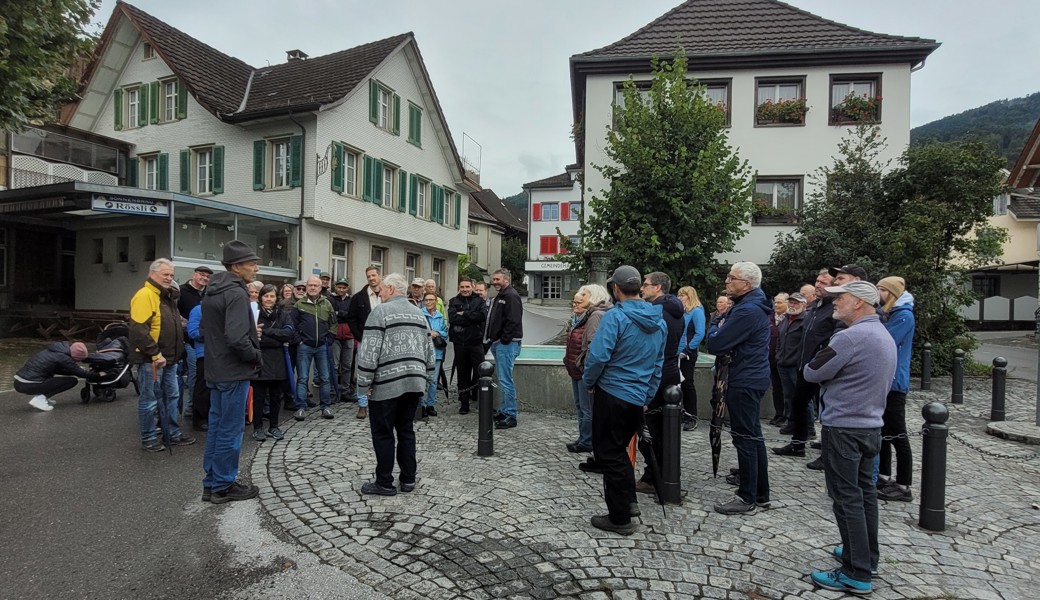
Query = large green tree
x=679 y=194
x=40 y=42
x=925 y=219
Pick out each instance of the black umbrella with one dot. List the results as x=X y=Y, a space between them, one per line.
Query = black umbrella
x=645 y=444
x=163 y=423
x=718 y=409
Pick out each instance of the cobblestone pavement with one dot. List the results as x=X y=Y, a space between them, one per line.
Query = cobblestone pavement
x=517 y=524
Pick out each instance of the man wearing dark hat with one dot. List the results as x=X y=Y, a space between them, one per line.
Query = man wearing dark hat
x=622 y=373
x=191 y=296
x=326 y=283
x=232 y=357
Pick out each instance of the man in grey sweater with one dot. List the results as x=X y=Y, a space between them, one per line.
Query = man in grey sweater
x=395 y=366
x=854 y=371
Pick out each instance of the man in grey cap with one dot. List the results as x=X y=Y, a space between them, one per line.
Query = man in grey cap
x=622 y=373
x=191 y=296
x=232 y=358
x=855 y=371
x=415 y=291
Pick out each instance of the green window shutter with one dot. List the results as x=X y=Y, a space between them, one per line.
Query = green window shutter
x=373 y=101
x=397 y=115
x=366 y=178
x=182 y=100
x=185 y=171
x=153 y=96
x=413 y=198
x=437 y=202
x=458 y=210
x=132 y=171
x=164 y=172
x=295 y=161
x=415 y=125
x=142 y=105
x=337 y=167
x=117 y=106
x=402 y=191
x=377 y=181
x=218 y=169
x=259 y=154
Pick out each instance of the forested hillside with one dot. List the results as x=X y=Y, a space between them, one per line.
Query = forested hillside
x=1004 y=125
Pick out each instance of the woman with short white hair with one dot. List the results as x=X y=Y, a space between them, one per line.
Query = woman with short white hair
x=590 y=302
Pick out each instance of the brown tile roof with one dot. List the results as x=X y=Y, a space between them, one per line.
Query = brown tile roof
x=1026 y=172
x=502 y=212
x=1025 y=206
x=476 y=211
x=556 y=181
x=721 y=27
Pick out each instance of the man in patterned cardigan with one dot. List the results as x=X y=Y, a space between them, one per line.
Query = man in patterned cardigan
x=395 y=366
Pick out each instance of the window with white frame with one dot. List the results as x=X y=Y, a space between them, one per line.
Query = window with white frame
x=280 y=163
x=411 y=266
x=148 y=52
x=717 y=92
x=780 y=101
x=203 y=171
x=389 y=176
x=133 y=107
x=642 y=88
x=550 y=211
x=422 y=192
x=777 y=199
x=472 y=251
x=340 y=258
x=385 y=106
x=575 y=211
x=1000 y=204
x=150 y=170
x=472 y=227
x=438 y=269
x=449 y=207
x=552 y=287
x=3 y=256
x=378 y=256
x=350 y=163
x=855 y=99
x=169 y=91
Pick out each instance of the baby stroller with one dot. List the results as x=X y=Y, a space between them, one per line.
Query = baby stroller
x=110 y=358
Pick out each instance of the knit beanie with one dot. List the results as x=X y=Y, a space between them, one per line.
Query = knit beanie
x=893 y=285
x=78 y=351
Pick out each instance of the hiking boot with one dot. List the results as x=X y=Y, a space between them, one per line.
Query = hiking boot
x=275 y=433
x=362 y=413
x=506 y=423
x=840 y=582
x=603 y=522
x=837 y=555
x=182 y=440
x=259 y=435
x=40 y=403
x=790 y=450
x=815 y=465
x=234 y=492
x=895 y=492
x=326 y=413
x=735 y=506
x=373 y=488
x=299 y=415
x=153 y=445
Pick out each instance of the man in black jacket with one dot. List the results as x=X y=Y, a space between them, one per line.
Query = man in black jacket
x=504 y=331
x=467 y=315
x=343 y=345
x=191 y=296
x=232 y=357
x=361 y=304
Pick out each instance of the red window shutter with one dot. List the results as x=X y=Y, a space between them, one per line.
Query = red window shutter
x=536 y=212
x=565 y=211
x=563 y=249
x=553 y=244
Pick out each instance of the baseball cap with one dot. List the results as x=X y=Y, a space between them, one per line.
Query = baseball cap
x=797 y=297
x=854 y=270
x=625 y=275
x=301 y=283
x=418 y=281
x=342 y=280
x=203 y=269
x=864 y=290
x=324 y=274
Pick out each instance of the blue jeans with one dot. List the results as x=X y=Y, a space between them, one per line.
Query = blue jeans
x=743 y=406
x=227 y=421
x=190 y=385
x=165 y=389
x=505 y=355
x=583 y=404
x=430 y=399
x=849 y=458
x=320 y=355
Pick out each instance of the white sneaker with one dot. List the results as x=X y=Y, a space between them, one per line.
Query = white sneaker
x=40 y=403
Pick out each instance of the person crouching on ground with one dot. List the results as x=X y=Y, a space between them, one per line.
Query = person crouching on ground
x=439 y=336
x=275 y=331
x=52 y=371
x=393 y=373
x=622 y=373
x=590 y=302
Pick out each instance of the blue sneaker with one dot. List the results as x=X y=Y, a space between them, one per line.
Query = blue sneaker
x=840 y=582
x=837 y=555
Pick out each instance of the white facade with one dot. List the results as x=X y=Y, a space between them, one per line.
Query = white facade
x=552 y=213
x=484 y=245
x=791 y=152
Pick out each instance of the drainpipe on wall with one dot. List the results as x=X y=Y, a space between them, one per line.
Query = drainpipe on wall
x=299 y=232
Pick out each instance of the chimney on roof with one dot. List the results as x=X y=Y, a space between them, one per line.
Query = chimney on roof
x=295 y=55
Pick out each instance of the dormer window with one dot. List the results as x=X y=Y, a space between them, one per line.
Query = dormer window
x=384 y=107
x=148 y=52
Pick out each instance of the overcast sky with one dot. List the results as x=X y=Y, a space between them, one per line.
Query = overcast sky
x=500 y=68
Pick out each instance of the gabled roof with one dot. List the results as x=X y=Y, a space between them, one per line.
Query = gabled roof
x=1025 y=207
x=476 y=211
x=563 y=180
x=502 y=212
x=1026 y=172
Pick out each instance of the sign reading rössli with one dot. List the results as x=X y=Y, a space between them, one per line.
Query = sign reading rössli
x=130 y=206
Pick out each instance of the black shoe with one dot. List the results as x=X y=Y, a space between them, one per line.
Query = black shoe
x=326 y=413
x=816 y=465
x=499 y=415
x=431 y=411
x=733 y=479
x=153 y=446
x=207 y=493
x=373 y=488
x=425 y=413
x=408 y=487
x=734 y=470
x=816 y=445
x=200 y=426
x=578 y=448
x=591 y=466
x=506 y=423
x=234 y=492
x=895 y=493
x=299 y=415
x=790 y=450
x=633 y=510
x=603 y=522
x=689 y=424
x=787 y=429
x=464 y=410
x=311 y=403
x=182 y=440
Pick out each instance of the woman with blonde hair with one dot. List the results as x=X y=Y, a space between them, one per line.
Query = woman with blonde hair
x=589 y=304
x=693 y=333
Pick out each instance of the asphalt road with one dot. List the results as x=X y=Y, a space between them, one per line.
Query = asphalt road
x=1013 y=346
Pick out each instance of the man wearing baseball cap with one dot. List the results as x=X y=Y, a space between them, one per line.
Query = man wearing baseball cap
x=415 y=291
x=855 y=371
x=622 y=373
x=191 y=296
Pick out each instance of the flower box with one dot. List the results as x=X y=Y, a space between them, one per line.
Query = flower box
x=781 y=112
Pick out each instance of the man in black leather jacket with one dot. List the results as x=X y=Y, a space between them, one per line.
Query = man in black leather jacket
x=467 y=314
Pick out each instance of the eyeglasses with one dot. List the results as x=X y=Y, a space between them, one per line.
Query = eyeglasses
x=732 y=278
x=647 y=284
x=302 y=288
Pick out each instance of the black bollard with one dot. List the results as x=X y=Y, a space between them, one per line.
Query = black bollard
x=671 y=433
x=926 y=366
x=958 y=377
x=996 y=407
x=932 y=515
x=485 y=406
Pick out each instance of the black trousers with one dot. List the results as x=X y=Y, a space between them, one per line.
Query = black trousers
x=778 y=391
x=48 y=387
x=614 y=422
x=894 y=421
x=200 y=395
x=467 y=359
x=689 y=390
x=387 y=417
x=269 y=392
x=804 y=392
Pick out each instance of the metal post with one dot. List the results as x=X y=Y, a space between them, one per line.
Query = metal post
x=671 y=432
x=485 y=406
x=996 y=410
x=932 y=515
x=926 y=366
x=958 y=377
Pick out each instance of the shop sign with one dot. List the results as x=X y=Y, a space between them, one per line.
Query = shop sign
x=131 y=206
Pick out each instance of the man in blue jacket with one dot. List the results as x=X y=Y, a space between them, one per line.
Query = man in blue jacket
x=622 y=373
x=742 y=332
